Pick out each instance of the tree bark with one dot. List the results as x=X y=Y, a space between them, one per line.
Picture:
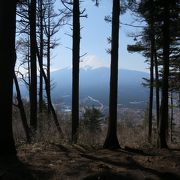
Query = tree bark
x=75 y=73
x=165 y=79
x=41 y=57
x=151 y=95
x=172 y=116
x=152 y=48
x=157 y=88
x=48 y=61
x=49 y=98
x=111 y=141
x=22 y=111
x=33 y=84
x=7 y=63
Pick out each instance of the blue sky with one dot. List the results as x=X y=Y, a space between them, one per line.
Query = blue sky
x=94 y=35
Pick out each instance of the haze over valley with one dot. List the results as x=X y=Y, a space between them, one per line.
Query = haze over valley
x=94 y=91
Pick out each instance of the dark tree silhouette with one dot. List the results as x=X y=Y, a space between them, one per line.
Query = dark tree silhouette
x=7 y=62
x=22 y=110
x=75 y=77
x=48 y=56
x=162 y=20
x=55 y=118
x=152 y=50
x=157 y=87
x=41 y=29
x=111 y=141
x=51 y=26
x=165 y=79
x=33 y=63
x=172 y=116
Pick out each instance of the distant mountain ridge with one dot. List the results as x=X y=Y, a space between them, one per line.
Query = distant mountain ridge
x=94 y=83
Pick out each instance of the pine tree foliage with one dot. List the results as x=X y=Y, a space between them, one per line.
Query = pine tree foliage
x=92 y=119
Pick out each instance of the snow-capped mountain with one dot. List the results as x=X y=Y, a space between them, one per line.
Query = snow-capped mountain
x=94 y=86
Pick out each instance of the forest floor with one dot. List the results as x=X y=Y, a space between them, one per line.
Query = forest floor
x=66 y=162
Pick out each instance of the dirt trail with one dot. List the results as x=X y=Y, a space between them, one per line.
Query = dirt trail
x=66 y=162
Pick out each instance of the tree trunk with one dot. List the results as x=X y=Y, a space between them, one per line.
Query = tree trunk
x=151 y=95
x=48 y=74
x=152 y=44
x=49 y=98
x=41 y=57
x=157 y=88
x=172 y=116
x=111 y=141
x=7 y=62
x=75 y=73
x=48 y=61
x=33 y=84
x=22 y=111
x=165 y=79
x=29 y=67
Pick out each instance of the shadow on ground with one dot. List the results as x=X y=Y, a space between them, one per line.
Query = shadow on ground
x=66 y=162
x=13 y=169
x=109 y=176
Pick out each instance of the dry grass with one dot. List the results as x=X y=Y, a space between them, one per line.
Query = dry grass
x=51 y=158
x=129 y=132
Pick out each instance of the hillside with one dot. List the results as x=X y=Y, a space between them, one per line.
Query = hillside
x=94 y=85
